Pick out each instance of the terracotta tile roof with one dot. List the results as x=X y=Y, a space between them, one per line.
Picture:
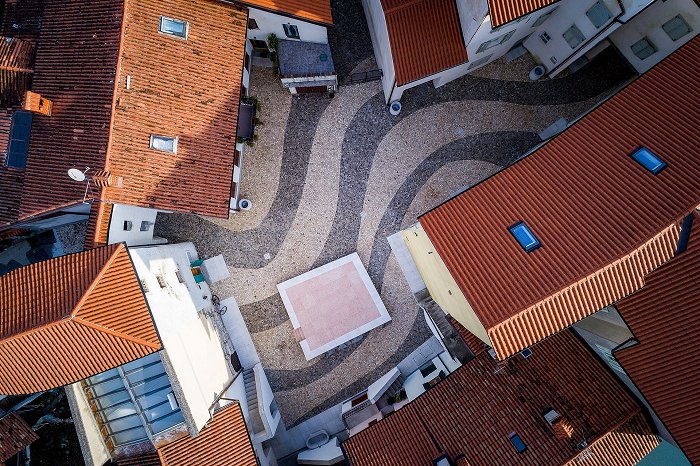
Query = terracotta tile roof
x=143 y=459
x=98 y=224
x=475 y=409
x=11 y=182
x=602 y=219
x=425 y=37
x=224 y=442
x=189 y=89
x=22 y=18
x=68 y=318
x=15 y=435
x=75 y=67
x=16 y=62
x=186 y=89
x=318 y=11
x=663 y=317
x=505 y=11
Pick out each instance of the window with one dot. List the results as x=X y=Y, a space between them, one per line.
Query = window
x=525 y=237
x=643 y=48
x=164 y=143
x=252 y=24
x=649 y=160
x=179 y=276
x=599 y=14
x=526 y=353
x=517 y=442
x=553 y=59
x=494 y=42
x=574 y=37
x=146 y=225
x=128 y=225
x=480 y=61
x=291 y=31
x=542 y=19
x=144 y=285
x=427 y=370
x=174 y=27
x=676 y=28
x=161 y=281
x=544 y=37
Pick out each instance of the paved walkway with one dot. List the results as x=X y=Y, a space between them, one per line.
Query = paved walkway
x=329 y=177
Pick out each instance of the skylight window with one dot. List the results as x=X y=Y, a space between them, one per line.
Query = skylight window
x=649 y=160
x=164 y=143
x=173 y=27
x=517 y=442
x=525 y=237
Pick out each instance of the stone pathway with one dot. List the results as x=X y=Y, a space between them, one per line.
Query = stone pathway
x=329 y=177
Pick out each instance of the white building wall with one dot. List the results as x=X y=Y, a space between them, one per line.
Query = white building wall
x=380 y=43
x=92 y=445
x=191 y=341
x=648 y=24
x=554 y=54
x=271 y=23
x=136 y=216
x=265 y=400
x=471 y=15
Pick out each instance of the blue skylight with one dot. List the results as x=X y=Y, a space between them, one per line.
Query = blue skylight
x=517 y=442
x=525 y=237
x=649 y=160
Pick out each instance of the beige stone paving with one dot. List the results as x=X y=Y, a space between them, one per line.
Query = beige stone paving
x=517 y=70
x=262 y=163
x=312 y=223
x=415 y=138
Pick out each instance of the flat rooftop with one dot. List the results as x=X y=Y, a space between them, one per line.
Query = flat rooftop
x=332 y=305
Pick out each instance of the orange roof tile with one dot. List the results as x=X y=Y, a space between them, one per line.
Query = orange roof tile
x=663 y=316
x=475 y=409
x=16 y=62
x=425 y=37
x=318 y=11
x=505 y=11
x=224 y=442
x=98 y=224
x=602 y=219
x=182 y=88
x=188 y=89
x=11 y=182
x=15 y=436
x=53 y=311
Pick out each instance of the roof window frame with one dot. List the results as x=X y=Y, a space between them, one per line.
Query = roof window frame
x=164 y=18
x=154 y=137
x=638 y=155
x=527 y=247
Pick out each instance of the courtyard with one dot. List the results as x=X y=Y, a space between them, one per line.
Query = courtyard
x=331 y=177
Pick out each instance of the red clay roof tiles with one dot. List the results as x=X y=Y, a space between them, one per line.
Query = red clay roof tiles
x=15 y=436
x=505 y=11
x=425 y=37
x=474 y=410
x=53 y=311
x=603 y=220
x=663 y=317
x=223 y=442
x=98 y=224
x=318 y=11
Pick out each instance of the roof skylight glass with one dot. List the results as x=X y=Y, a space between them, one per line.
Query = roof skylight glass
x=649 y=160
x=525 y=237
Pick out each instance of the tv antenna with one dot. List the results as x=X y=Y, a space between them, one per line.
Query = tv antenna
x=80 y=176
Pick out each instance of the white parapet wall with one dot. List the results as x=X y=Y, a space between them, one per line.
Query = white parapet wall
x=271 y=23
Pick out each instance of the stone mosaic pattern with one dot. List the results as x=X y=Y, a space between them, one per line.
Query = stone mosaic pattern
x=329 y=177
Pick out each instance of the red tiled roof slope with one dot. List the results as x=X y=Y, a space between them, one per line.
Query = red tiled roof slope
x=68 y=318
x=318 y=11
x=663 y=317
x=11 y=182
x=474 y=410
x=505 y=11
x=602 y=219
x=188 y=89
x=75 y=67
x=224 y=441
x=98 y=224
x=15 y=436
x=425 y=37
x=16 y=62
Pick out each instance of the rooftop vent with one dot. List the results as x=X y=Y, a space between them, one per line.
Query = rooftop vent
x=561 y=426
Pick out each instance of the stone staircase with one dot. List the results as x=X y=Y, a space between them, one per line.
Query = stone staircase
x=450 y=337
x=396 y=387
x=251 y=393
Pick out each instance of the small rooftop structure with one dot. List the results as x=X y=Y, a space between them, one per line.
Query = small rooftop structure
x=662 y=359
x=297 y=58
x=332 y=305
x=602 y=220
x=488 y=412
x=58 y=320
x=425 y=37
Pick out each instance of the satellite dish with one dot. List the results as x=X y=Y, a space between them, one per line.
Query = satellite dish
x=76 y=174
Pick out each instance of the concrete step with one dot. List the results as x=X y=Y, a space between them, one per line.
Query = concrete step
x=450 y=337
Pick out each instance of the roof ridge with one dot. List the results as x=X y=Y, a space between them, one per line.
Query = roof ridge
x=105 y=329
x=78 y=306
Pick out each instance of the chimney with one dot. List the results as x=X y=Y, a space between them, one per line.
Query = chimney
x=35 y=103
x=104 y=179
x=562 y=428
